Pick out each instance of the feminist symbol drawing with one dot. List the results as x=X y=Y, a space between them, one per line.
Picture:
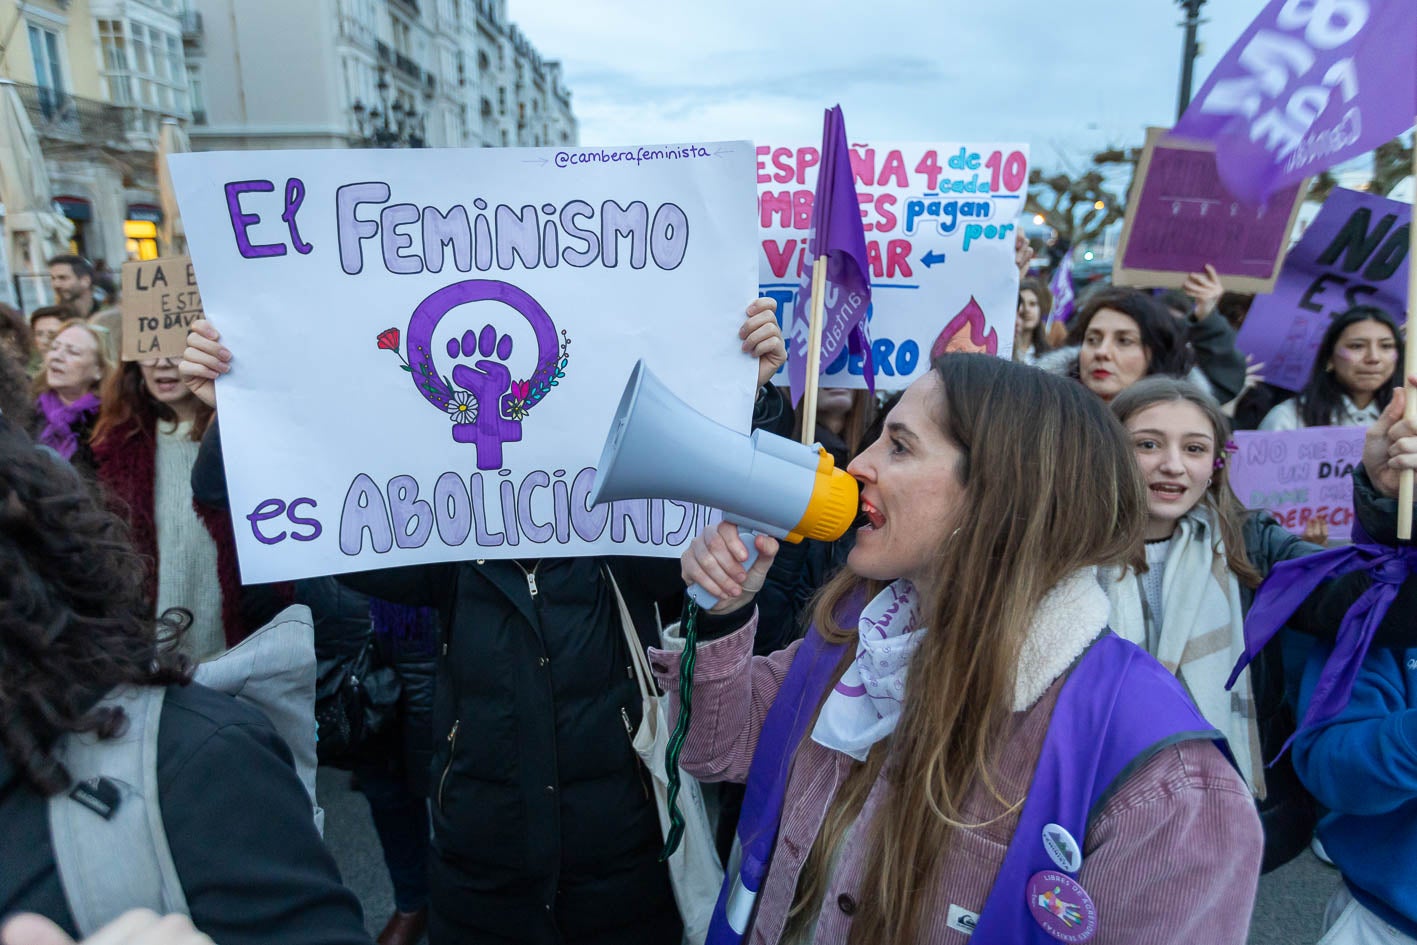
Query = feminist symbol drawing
x=485 y=405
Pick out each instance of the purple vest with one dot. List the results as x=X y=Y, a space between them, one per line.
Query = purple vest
x=1117 y=708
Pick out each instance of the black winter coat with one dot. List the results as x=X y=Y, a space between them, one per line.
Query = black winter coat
x=544 y=827
x=238 y=822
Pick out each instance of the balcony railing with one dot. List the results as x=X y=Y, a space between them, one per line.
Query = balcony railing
x=63 y=117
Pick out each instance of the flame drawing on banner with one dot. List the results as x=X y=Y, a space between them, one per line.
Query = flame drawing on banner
x=968 y=332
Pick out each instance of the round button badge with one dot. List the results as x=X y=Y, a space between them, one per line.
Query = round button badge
x=1061 y=907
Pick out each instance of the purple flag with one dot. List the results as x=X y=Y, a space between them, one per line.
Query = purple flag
x=1291 y=582
x=838 y=235
x=1309 y=85
x=1062 y=289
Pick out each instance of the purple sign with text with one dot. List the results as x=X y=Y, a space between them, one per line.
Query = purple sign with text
x=1299 y=475
x=1354 y=253
x=1183 y=218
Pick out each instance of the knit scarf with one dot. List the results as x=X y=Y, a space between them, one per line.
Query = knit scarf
x=61 y=421
x=1201 y=636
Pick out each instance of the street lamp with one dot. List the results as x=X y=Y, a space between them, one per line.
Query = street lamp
x=1190 y=48
x=393 y=125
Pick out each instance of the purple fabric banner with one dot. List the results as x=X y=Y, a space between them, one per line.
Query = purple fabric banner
x=1064 y=298
x=1355 y=252
x=1299 y=475
x=1309 y=85
x=838 y=235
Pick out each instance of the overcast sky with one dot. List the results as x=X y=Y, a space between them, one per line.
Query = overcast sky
x=1067 y=76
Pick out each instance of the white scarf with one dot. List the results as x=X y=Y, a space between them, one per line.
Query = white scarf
x=865 y=705
x=1201 y=634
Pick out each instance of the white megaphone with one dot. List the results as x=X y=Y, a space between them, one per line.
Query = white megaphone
x=661 y=448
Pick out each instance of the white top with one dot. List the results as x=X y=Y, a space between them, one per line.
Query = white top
x=186 y=553
x=1286 y=415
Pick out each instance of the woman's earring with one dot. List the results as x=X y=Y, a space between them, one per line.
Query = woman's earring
x=1210 y=482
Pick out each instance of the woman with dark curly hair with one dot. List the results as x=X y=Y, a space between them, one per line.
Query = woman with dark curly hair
x=74 y=626
x=1121 y=335
x=144 y=445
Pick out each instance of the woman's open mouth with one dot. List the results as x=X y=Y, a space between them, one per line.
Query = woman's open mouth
x=874 y=518
x=1167 y=490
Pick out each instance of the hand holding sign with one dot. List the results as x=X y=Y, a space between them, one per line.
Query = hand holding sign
x=204 y=360
x=1391 y=444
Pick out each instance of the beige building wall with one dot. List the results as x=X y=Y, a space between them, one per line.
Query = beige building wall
x=79 y=61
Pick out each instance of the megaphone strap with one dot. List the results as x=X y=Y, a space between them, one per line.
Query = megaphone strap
x=681 y=729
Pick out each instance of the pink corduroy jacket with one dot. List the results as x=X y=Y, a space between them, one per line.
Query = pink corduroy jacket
x=1173 y=858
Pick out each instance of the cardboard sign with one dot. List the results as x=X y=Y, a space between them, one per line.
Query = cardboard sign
x=1354 y=253
x=159 y=302
x=429 y=345
x=940 y=221
x=1180 y=217
x=1299 y=475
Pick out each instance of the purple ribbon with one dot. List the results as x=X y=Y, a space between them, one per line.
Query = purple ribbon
x=1291 y=582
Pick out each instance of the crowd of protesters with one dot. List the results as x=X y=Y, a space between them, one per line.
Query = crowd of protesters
x=898 y=702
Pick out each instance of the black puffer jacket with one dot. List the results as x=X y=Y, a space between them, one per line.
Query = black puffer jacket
x=544 y=830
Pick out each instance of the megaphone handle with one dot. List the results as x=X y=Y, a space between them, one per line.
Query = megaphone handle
x=706 y=600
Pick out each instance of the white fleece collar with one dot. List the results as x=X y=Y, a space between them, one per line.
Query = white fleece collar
x=1068 y=619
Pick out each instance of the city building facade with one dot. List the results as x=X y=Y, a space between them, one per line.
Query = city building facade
x=375 y=73
x=98 y=78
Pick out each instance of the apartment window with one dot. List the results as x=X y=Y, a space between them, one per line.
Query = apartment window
x=196 y=95
x=48 y=72
x=115 y=61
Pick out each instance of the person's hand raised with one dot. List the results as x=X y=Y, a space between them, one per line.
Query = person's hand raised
x=762 y=338
x=203 y=361
x=1205 y=289
x=1390 y=445
x=136 y=927
x=1023 y=253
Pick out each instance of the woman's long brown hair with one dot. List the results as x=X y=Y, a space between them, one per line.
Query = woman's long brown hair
x=1050 y=486
x=1226 y=511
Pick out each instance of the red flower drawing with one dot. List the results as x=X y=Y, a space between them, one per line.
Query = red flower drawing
x=389 y=339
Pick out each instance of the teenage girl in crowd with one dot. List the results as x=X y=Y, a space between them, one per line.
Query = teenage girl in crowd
x=919 y=735
x=1352 y=377
x=1185 y=598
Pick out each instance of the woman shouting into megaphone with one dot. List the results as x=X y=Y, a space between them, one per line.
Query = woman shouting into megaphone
x=960 y=744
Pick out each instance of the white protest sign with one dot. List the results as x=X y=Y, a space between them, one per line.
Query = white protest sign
x=940 y=223
x=429 y=345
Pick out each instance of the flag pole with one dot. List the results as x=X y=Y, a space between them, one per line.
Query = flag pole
x=814 y=349
x=1404 y=489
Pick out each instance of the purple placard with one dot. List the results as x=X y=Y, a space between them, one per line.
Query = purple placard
x=1355 y=252
x=1299 y=475
x=1185 y=218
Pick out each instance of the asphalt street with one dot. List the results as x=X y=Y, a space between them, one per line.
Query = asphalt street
x=1288 y=910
